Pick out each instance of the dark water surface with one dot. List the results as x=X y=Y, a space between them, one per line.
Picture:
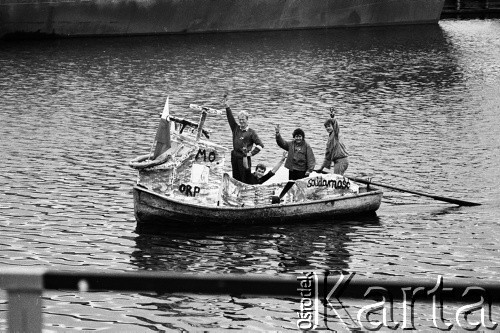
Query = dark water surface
x=418 y=109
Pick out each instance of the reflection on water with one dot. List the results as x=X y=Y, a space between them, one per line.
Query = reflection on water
x=418 y=108
x=251 y=249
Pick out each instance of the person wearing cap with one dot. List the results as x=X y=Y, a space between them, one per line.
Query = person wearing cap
x=336 y=152
x=260 y=176
x=300 y=161
x=246 y=143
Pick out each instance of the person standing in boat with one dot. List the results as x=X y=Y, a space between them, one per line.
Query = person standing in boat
x=335 y=149
x=246 y=143
x=300 y=161
x=260 y=176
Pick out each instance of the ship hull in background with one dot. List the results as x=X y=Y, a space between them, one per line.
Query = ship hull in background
x=73 y=18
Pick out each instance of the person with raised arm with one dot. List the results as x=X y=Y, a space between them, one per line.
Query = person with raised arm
x=260 y=176
x=335 y=150
x=300 y=161
x=246 y=143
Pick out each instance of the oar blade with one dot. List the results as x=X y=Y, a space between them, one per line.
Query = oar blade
x=457 y=201
x=287 y=188
x=276 y=199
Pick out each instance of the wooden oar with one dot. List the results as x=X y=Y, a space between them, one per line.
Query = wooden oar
x=435 y=197
x=277 y=199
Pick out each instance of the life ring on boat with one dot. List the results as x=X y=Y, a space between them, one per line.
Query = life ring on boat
x=144 y=161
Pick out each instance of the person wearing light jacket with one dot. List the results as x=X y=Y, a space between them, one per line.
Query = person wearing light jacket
x=335 y=150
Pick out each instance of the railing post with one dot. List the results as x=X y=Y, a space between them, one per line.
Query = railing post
x=25 y=311
x=24 y=290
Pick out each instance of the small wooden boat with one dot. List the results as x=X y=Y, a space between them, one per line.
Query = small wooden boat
x=156 y=210
x=191 y=187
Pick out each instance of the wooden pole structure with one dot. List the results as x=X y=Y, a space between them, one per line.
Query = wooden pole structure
x=203 y=118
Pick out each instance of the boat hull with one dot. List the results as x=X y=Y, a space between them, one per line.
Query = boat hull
x=155 y=210
x=134 y=17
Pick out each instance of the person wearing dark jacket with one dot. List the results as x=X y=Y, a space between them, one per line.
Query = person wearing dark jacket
x=260 y=176
x=246 y=143
x=300 y=161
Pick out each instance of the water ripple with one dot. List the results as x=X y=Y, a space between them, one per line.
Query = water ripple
x=418 y=108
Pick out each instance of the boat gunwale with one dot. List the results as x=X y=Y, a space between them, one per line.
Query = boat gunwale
x=371 y=192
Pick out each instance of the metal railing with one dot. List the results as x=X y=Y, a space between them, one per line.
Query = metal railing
x=471 y=8
x=25 y=285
